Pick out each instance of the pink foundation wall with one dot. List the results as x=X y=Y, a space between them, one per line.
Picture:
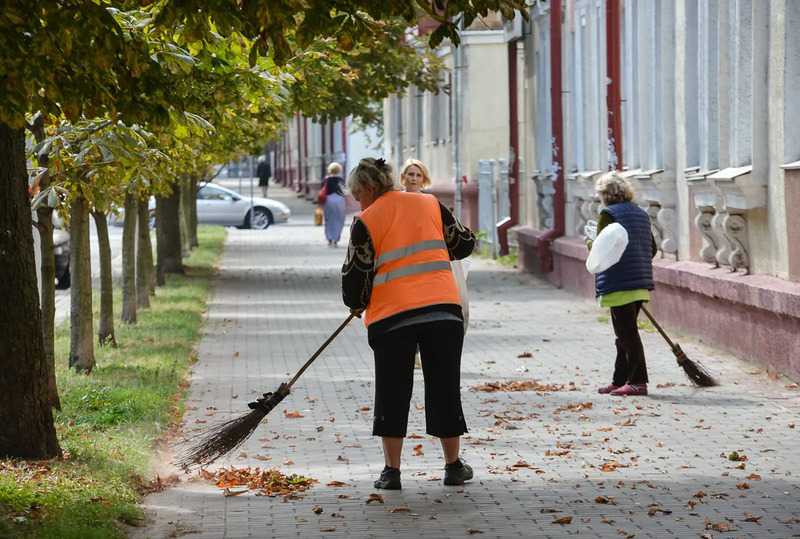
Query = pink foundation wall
x=754 y=317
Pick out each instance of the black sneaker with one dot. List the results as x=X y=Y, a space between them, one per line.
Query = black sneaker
x=389 y=479
x=457 y=473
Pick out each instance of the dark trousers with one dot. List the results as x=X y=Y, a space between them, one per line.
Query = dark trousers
x=440 y=348
x=630 y=366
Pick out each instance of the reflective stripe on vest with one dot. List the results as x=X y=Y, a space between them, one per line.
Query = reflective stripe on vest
x=405 y=271
x=409 y=250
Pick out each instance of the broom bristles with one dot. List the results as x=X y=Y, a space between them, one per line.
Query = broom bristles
x=224 y=438
x=694 y=371
x=221 y=440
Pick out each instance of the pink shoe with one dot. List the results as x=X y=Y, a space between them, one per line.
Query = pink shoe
x=630 y=389
x=607 y=389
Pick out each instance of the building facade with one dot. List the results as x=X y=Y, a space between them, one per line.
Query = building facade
x=697 y=102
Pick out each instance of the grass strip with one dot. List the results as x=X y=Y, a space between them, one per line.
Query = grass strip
x=111 y=420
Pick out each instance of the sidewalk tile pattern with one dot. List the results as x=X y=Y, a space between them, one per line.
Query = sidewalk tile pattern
x=653 y=466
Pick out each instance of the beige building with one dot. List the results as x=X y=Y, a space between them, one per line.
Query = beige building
x=465 y=122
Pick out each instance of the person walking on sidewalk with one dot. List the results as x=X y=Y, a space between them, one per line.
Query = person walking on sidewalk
x=264 y=173
x=397 y=271
x=627 y=284
x=335 y=205
x=414 y=178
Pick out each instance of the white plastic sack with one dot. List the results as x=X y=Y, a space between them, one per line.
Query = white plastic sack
x=460 y=271
x=607 y=249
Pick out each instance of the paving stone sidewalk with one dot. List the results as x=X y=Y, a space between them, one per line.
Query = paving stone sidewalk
x=655 y=466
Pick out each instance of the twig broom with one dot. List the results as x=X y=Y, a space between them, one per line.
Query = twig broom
x=696 y=374
x=221 y=439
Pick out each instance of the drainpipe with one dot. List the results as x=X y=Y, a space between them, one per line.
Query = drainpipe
x=545 y=241
x=614 y=90
x=332 y=154
x=513 y=142
x=344 y=147
x=457 y=61
x=302 y=188
x=300 y=130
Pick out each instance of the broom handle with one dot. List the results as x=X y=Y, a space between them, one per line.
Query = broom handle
x=653 y=320
x=318 y=352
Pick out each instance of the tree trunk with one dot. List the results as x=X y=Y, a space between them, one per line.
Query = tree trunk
x=192 y=207
x=129 y=259
x=168 y=235
x=144 y=256
x=81 y=345
x=105 y=331
x=186 y=192
x=47 y=270
x=28 y=431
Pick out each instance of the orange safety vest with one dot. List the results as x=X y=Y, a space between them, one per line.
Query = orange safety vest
x=411 y=258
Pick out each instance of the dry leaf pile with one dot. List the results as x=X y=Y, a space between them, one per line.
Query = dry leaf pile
x=521 y=385
x=270 y=482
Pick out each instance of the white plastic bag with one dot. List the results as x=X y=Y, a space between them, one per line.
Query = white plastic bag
x=607 y=249
x=460 y=271
x=590 y=229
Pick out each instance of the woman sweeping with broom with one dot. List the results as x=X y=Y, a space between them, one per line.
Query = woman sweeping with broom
x=398 y=272
x=626 y=285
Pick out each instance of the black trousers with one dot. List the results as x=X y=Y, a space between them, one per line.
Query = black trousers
x=630 y=366
x=440 y=346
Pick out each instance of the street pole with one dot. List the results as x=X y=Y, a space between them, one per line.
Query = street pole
x=457 y=126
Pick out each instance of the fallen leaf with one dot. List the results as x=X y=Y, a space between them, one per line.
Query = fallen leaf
x=229 y=492
x=546 y=510
x=603 y=499
x=562 y=520
x=655 y=510
x=418 y=450
x=336 y=484
x=377 y=498
x=330 y=529
x=473 y=531
x=364 y=409
x=317 y=510
x=721 y=526
x=750 y=518
x=525 y=354
x=754 y=477
x=292 y=415
x=399 y=510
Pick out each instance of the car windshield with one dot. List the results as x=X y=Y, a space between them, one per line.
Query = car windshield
x=212 y=193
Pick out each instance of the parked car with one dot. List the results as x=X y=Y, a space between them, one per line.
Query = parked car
x=62 y=253
x=217 y=205
x=117 y=216
x=60 y=249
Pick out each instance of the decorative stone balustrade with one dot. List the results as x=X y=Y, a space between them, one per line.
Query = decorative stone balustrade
x=724 y=197
x=581 y=195
x=707 y=199
x=544 y=198
x=657 y=195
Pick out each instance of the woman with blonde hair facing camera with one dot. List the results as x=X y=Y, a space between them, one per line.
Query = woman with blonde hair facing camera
x=414 y=176
x=397 y=272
